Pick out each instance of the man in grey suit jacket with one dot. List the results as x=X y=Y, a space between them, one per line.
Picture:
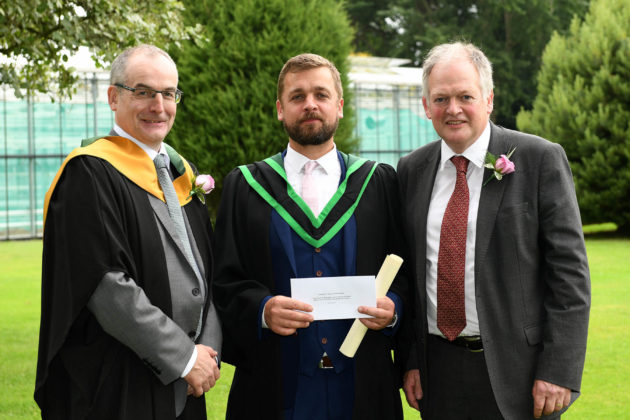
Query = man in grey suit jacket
x=501 y=308
x=128 y=327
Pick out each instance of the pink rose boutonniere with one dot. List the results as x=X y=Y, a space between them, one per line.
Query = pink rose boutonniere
x=500 y=166
x=202 y=185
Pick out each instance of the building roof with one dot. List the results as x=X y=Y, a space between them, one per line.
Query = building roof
x=383 y=71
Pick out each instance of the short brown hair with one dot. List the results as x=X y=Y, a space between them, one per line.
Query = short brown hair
x=305 y=62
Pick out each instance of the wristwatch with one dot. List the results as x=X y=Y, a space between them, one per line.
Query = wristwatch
x=394 y=320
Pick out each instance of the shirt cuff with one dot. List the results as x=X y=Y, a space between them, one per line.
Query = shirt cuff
x=398 y=310
x=191 y=363
x=263 y=324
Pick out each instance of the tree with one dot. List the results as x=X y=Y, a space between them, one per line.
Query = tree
x=37 y=37
x=375 y=33
x=228 y=115
x=512 y=33
x=582 y=103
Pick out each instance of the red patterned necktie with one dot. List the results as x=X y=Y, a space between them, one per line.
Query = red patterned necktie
x=451 y=311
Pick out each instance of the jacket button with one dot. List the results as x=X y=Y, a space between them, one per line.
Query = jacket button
x=196 y=291
x=324 y=340
x=192 y=334
x=318 y=250
x=319 y=273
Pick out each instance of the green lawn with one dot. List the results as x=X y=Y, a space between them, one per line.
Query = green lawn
x=605 y=390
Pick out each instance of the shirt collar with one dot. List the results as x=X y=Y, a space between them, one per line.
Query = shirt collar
x=294 y=161
x=475 y=153
x=151 y=152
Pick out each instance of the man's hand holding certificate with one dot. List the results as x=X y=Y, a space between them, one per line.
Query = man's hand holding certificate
x=284 y=315
x=348 y=297
x=384 y=279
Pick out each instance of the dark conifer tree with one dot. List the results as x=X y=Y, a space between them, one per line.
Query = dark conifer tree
x=228 y=114
x=583 y=103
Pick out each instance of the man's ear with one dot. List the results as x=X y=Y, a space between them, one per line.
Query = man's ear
x=490 y=104
x=112 y=97
x=427 y=111
x=279 y=109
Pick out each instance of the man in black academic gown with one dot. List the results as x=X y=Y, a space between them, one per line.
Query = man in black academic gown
x=128 y=328
x=310 y=211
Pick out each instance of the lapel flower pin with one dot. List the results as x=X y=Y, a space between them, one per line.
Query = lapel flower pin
x=202 y=185
x=500 y=166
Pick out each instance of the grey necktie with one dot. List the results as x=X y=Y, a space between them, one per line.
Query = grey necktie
x=175 y=211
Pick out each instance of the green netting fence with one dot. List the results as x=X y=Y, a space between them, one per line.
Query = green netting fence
x=36 y=134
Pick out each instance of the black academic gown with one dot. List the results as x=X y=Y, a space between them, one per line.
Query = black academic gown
x=244 y=277
x=99 y=221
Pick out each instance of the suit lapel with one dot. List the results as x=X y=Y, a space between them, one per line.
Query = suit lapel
x=161 y=211
x=194 y=245
x=425 y=178
x=490 y=200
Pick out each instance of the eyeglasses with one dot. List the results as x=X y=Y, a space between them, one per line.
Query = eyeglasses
x=147 y=93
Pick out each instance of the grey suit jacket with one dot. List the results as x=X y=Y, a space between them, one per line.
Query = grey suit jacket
x=532 y=281
x=188 y=294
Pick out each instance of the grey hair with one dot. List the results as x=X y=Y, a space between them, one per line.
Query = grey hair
x=447 y=52
x=118 y=72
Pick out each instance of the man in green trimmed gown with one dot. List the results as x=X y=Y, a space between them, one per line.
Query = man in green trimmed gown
x=309 y=211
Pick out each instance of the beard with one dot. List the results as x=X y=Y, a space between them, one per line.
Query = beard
x=309 y=136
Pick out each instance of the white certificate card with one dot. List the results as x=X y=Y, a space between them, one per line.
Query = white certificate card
x=335 y=297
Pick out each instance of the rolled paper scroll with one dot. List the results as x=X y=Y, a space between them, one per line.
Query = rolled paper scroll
x=384 y=279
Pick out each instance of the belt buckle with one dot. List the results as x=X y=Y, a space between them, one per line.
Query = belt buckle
x=472 y=341
x=325 y=363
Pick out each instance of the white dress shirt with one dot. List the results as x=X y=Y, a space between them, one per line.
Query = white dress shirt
x=152 y=154
x=326 y=174
x=442 y=190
